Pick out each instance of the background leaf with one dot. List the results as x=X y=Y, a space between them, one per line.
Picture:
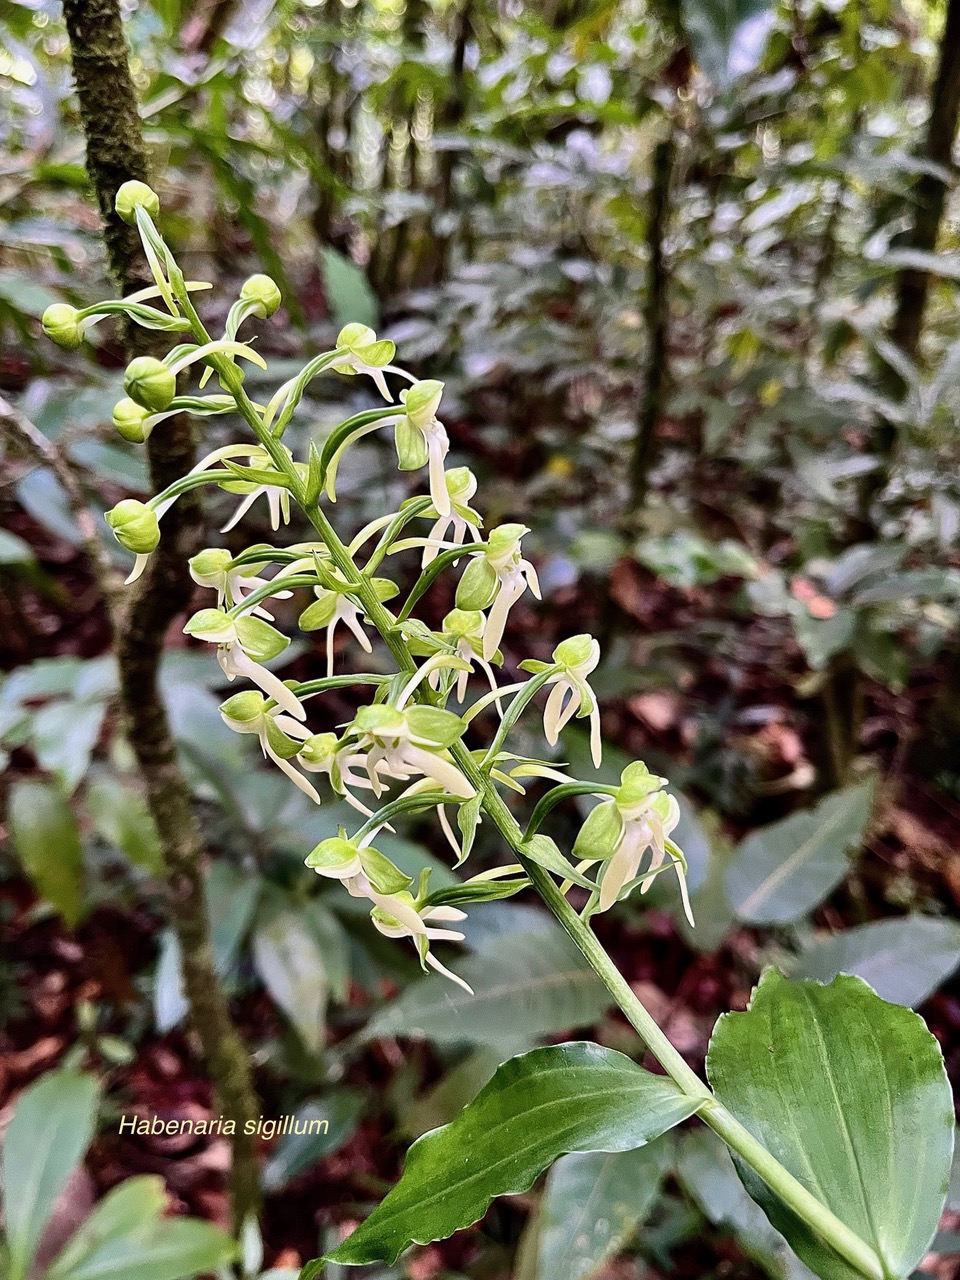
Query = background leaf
x=51 y=1129
x=783 y=871
x=903 y=960
x=592 y=1204
x=850 y=1094
x=526 y=985
x=47 y=842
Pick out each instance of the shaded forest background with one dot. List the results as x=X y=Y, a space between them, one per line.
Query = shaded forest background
x=689 y=274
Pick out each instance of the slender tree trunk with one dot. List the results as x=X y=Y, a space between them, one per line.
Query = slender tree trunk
x=116 y=153
x=656 y=314
x=913 y=285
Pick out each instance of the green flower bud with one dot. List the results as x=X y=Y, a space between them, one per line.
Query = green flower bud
x=132 y=194
x=210 y=562
x=149 y=382
x=212 y=625
x=135 y=526
x=478 y=586
x=61 y=324
x=318 y=749
x=264 y=292
x=421 y=402
x=243 y=708
x=574 y=652
x=130 y=418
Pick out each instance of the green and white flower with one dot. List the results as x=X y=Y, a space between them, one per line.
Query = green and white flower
x=243 y=645
x=638 y=818
x=571 y=695
x=408 y=744
x=496 y=578
x=281 y=737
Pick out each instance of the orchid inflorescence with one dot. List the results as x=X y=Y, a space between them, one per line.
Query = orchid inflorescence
x=404 y=752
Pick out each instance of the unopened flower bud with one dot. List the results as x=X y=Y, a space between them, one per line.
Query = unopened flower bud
x=421 y=402
x=575 y=652
x=135 y=526
x=61 y=324
x=130 y=418
x=243 y=708
x=150 y=382
x=318 y=749
x=132 y=194
x=210 y=563
x=264 y=292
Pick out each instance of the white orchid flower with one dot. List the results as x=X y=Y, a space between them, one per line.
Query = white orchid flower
x=452 y=528
x=365 y=354
x=619 y=832
x=281 y=737
x=571 y=694
x=496 y=578
x=243 y=644
x=214 y=568
x=333 y=606
x=408 y=744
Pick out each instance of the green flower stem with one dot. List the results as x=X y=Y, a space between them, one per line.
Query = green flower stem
x=515 y=710
x=816 y=1215
x=194 y=480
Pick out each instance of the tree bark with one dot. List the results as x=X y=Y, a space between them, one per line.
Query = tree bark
x=116 y=153
x=913 y=285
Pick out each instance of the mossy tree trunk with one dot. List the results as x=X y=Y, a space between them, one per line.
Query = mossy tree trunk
x=116 y=153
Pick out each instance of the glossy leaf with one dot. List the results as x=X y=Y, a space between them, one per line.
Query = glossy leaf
x=50 y=1130
x=783 y=871
x=903 y=960
x=592 y=1204
x=543 y=1104
x=47 y=842
x=850 y=1094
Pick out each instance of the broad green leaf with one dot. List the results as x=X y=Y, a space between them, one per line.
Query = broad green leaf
x=903 y=960
x=727 y=36
x=526 y=985
x=349 y=296
x=288 y=959
x=63 y=736
x=781 y=872
x=51 y=1129
x=541 y=1105
x=122 y=819
x=593 y=1202
x=129 y=1206
x=850 y=1094
x=296 y=1152
x=706 y=1171
x=47 y=842
x=156 y=1249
